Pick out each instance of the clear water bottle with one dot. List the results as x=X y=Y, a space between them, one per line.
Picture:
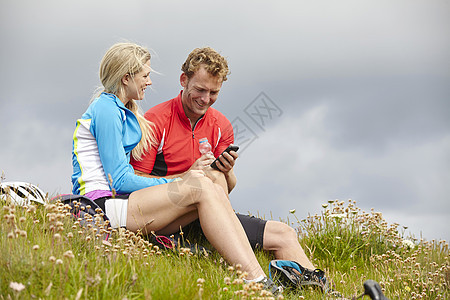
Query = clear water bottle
x=204 y=146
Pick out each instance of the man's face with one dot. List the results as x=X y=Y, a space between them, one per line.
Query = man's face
x=199 y=93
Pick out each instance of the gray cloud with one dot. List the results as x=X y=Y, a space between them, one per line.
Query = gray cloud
x=295 y=165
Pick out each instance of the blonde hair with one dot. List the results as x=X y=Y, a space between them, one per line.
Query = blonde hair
x=214 y=63
x=122 y=59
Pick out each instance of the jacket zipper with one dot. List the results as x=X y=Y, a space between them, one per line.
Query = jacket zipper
x=193 y=139
x=193 y=128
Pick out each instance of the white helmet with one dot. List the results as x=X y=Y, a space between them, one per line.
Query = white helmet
x=21 y=193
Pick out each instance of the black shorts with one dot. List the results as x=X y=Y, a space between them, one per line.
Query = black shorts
x=253 y=227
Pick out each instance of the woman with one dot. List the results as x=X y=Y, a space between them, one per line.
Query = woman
x=105 y=137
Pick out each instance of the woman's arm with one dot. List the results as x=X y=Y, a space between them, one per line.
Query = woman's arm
x=143 y=174
x=107 y=128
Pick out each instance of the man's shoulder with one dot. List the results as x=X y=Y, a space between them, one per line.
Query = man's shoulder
x=161 y=107
x=218 y=116
x=160 y=111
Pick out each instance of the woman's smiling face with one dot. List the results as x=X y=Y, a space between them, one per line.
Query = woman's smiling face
x=136 y=85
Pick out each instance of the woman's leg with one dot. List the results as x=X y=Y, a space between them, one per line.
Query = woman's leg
x=177 y=224
x=168 y=206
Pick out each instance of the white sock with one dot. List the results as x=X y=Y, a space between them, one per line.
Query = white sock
x=255 y=280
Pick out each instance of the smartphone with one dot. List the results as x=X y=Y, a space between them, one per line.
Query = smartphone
x=229 y=148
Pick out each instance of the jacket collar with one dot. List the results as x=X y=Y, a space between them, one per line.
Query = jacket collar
x=181 y=114
x=116 y=99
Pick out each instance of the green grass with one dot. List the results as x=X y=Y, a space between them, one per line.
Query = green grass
x=44 y=253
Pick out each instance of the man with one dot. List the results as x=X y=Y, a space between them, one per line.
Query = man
x=179 y=125
x=181 y=122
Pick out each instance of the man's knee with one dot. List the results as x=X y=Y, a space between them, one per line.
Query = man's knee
x=218 y=178
x=192 y=190
x=280 y=228
x=279 y=234
x=210 y=191
x=215 y=175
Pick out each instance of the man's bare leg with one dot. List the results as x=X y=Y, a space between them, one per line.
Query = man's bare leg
x=283 y=241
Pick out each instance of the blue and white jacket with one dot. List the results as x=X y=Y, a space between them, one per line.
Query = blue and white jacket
x=102 y=143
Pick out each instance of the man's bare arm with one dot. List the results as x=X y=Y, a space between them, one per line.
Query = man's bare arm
x=226 y=167
x=231 y=180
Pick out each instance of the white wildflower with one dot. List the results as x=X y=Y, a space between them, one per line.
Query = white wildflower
x=408 y=244
x=18 y=287
x=337 y=216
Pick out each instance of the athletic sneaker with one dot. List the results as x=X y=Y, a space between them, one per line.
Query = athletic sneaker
x=270 y=286
x=291 y=274
x=314 y=277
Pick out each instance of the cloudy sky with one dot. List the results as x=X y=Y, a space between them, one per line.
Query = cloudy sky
x=331 y=99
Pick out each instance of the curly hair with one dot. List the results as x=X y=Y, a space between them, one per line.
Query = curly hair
x=214 y=63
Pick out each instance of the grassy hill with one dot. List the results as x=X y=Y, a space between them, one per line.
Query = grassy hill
x=45 y=253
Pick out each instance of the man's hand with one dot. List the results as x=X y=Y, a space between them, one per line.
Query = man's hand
x=227 y=161
x=204 y=161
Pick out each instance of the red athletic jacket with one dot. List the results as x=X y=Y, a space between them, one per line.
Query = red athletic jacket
x=177 y=146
